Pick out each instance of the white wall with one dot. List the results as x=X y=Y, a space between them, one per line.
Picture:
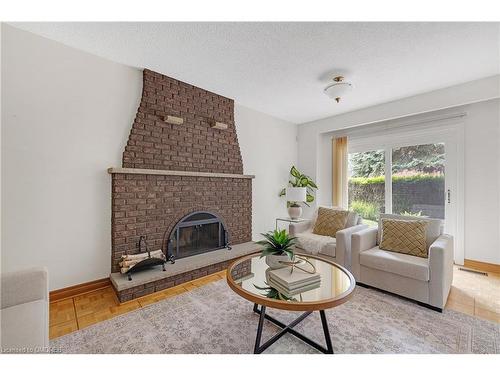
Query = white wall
x=482 y=182
x=482 y=153
x=66 y=118
x=269 y=148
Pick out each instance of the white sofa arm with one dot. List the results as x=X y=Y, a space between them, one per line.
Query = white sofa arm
x=343 y=245
x=441 y=270
x=361 y=241
x=24 y=286
x=295 y=228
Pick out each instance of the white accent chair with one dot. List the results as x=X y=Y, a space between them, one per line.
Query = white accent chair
x=426 y=280
x=336 y=248
x=24 y=311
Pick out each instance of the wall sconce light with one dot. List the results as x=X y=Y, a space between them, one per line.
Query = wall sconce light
x=219 y=125
x=173 y=120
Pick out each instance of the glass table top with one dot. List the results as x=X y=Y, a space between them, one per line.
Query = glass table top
x=250 y=278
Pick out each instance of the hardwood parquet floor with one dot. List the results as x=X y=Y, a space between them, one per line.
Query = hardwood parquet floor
x=81 y=311
x=471 y=294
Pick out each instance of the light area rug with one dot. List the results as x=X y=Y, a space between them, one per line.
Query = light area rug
x=213 y=319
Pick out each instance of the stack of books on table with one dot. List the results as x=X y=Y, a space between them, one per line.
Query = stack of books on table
x=293 y=283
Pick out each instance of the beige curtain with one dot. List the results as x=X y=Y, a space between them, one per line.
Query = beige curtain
x=339 y=172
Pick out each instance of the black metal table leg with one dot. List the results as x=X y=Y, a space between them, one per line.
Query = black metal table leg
x=326 y=331
x=259 y=330
x=256 y=308
x=288 y=328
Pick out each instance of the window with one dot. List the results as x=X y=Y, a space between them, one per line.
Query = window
x=366 y=184
x=417 y=180
x=418 y=187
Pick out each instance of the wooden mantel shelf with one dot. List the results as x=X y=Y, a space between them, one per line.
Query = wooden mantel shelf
x=176 y=173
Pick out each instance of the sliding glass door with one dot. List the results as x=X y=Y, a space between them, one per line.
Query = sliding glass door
x=408 y=174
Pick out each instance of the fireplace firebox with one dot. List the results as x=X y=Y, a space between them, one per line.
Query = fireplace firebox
x=199 y=232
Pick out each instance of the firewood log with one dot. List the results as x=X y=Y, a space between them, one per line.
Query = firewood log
x=130 y=263
x=154 y=254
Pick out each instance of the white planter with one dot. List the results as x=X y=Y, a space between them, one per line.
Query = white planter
x=273 y=261
x=295 y=212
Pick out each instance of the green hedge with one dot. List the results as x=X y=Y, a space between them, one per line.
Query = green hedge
x=410 y=193
x=381 y=179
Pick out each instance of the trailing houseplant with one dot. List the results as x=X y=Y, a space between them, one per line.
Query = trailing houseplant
x=277 y=247
x=299 y=180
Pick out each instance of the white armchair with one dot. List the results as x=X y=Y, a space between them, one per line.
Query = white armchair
x=24 y=311
x=426 y=280
x=338 y=248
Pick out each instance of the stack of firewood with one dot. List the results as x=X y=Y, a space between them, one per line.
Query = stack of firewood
x=128 y=261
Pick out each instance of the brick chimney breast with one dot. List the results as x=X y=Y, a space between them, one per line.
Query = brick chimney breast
x=150 y=204
x=191 y=146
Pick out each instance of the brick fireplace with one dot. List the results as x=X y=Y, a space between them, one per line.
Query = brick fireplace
x=173 y=168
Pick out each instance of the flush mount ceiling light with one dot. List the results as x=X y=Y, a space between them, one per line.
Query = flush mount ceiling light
x=338 y=88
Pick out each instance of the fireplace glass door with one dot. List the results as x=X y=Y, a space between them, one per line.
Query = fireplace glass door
x=197 y=233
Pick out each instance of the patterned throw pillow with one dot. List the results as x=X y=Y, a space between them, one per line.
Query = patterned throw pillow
x=330 y=221
x=405 y=237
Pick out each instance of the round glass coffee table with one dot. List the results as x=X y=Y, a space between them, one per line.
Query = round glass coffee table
x=248 y=277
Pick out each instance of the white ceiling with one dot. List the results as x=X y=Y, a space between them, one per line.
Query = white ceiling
x=281 y=68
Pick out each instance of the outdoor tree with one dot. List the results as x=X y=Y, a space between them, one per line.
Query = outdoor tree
x=367 y=164
x=428 y=159
x=419 y=159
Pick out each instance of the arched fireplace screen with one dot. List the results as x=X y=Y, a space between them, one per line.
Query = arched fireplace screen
x=199 y=232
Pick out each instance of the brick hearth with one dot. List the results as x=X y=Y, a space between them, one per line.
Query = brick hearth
x=184 y=270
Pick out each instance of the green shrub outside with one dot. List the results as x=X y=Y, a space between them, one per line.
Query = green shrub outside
x=366 y=210
x=396 y=178
x=367 y=191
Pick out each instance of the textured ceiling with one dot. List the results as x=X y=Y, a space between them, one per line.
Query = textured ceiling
x=282 y=68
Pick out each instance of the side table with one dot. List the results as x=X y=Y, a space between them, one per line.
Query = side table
x=289 y=220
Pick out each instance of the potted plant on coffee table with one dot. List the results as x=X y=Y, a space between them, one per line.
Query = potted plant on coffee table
x=277 y=248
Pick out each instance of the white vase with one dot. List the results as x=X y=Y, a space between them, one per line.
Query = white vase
x=294 y=212
x=273 y=261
